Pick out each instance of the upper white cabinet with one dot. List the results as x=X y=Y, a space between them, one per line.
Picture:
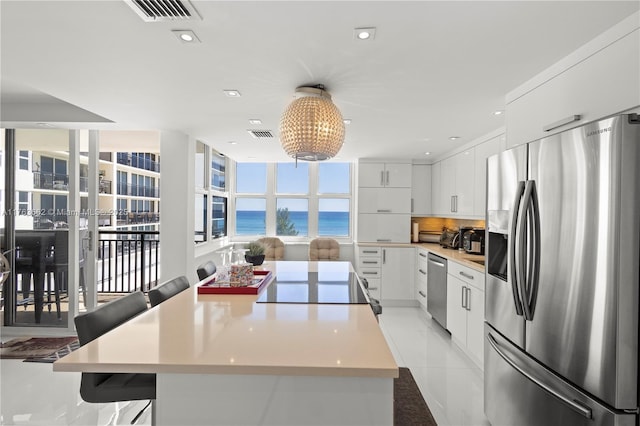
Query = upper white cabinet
x=421 y=189
x=484 y=151
x=384 y=202
x=453 y=188
x=598 y=80
x=384 y=175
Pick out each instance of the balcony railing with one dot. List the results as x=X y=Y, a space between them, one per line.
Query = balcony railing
x=138 y=162
x=56 y=181
x=138 y=190
x=128 y=261
x=136 y=218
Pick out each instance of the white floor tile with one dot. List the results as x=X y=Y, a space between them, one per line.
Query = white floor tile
x=32 y=394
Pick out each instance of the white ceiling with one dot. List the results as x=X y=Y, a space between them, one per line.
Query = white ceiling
x=435 y=68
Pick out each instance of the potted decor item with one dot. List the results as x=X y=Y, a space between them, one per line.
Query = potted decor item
x=255 y=253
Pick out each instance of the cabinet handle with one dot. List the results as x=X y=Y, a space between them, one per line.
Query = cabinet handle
x=370 y=251
x=561 y=123
x=388 y=240
x=462 y=294
x=384 y=256
x=422 y=272
x=451 y=205
x=412 y=205
x=387 y=177
x=422 y=294
x=384 y=211
x=455 y=203
x=369 y=273
x=422 y=254
x=468 y=291
x=370 y=262
x=373 y=288
x=381 y=178
x=464 y=274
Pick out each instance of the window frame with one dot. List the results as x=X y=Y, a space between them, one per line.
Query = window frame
x=211 y=193
x=271 y=196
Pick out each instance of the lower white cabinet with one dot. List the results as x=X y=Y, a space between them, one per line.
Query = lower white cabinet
x=389 y=271
x=465 y=309
x=421 y=277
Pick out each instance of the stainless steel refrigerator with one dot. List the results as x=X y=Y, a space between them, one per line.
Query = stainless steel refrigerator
x=562 y=278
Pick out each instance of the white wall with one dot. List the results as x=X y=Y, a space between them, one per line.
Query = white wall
x=177 y=209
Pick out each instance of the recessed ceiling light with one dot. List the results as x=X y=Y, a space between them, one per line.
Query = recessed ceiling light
x=44 y=124
x=255 y=121
x=186 y=36
x=232 y=93
x=347 y=121
x=453 y=138
x=499 y=112
x=427 y=153
x=233 y=142
x=364 y=33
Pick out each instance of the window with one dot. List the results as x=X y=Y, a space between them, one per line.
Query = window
x=23 y=160
x=23 y=202
x=210 y=188
x=280 y=199
x=122 y=183
x=251 y=214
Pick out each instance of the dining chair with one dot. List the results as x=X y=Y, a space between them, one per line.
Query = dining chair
x=273 y=248
x=206 y=270
x=167 y=290
x=114 y=387
x=324 y=249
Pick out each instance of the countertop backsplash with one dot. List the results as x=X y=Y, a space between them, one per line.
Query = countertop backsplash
x=436 y=224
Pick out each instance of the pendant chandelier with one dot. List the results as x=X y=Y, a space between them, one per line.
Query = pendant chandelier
x=311 y=128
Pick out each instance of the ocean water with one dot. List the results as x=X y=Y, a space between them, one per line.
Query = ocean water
x=334 y=224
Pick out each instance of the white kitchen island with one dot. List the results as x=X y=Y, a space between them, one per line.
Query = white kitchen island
x=227 y=360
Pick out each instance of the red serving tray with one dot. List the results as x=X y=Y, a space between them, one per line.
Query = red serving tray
x=211 y=287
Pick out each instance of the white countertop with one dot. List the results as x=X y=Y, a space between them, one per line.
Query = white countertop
x=231 y=334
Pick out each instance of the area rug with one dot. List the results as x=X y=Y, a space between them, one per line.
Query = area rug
x=409 y=407
x=34 y=347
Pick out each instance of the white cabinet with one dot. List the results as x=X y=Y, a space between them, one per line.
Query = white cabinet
x=482 y=152
x=465 y=309
x=421 y=277
x=384 y=200
x=397 y=273
x=384 y=228
x=370 y=267
x=454 y=186
x=389 y=271
x=384 y=175
x=594 y=85
x=421 y=189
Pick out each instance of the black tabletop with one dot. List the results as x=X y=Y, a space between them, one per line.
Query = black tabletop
x=331 y=288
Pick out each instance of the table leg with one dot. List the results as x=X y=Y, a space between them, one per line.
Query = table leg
x=38 y=294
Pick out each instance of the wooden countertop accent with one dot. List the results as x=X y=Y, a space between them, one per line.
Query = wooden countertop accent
x=231 y=334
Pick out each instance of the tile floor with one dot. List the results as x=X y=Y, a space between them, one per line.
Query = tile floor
x=32 y=394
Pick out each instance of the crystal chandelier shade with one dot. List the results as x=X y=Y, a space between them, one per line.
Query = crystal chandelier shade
x=311 y=128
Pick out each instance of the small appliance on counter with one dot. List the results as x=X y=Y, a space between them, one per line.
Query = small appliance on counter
x=450 y=238
x=473 y=241
x=429 y=236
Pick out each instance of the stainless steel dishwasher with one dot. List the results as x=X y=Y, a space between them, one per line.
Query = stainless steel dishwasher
x=437 y=288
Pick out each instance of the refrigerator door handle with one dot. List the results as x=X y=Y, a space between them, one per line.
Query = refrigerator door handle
x=533 y=279
x=512 y=242
x=522 y=243
x=574 y=405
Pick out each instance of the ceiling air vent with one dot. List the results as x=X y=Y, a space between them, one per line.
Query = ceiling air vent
x=260 y=134
x=164 y=10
